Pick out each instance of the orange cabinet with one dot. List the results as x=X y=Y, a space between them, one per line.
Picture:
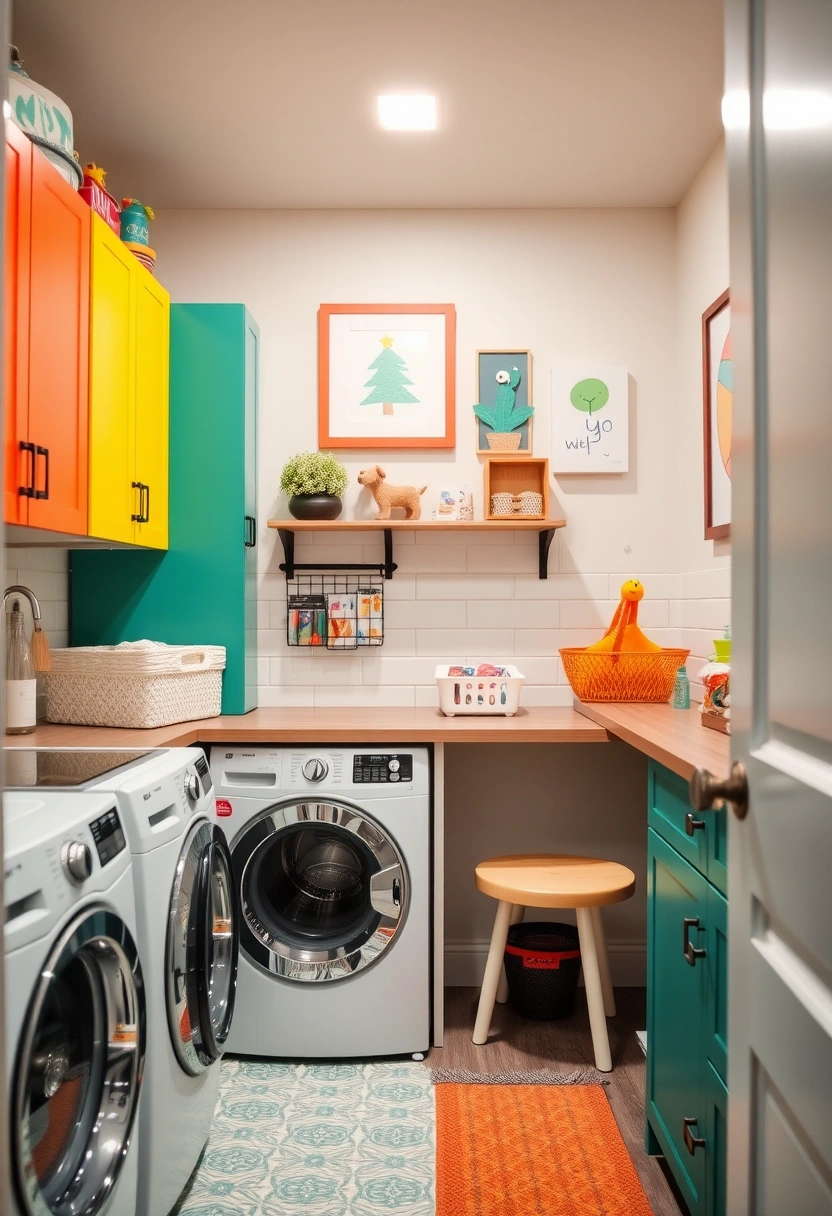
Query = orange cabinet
x=47 y=284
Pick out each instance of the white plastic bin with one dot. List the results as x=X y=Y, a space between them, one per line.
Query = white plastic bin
x=473 y=694
x=136 y=684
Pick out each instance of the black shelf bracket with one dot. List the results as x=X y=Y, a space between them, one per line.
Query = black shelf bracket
x=545 y=539
x=385 y=569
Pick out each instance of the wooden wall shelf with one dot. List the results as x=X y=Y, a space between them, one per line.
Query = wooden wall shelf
x=286 y=529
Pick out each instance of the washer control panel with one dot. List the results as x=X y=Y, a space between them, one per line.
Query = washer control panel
x=108 y=835
x=380 y=769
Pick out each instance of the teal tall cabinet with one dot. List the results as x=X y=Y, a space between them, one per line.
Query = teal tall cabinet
x=203 y=590
x=687 y=1007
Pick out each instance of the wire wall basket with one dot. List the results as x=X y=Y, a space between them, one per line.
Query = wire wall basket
x=336 y=611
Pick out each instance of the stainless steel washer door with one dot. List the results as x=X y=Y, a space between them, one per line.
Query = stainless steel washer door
x=202 y=948
x=323 y=890
x=78 y=1070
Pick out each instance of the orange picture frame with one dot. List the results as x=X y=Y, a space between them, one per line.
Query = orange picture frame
x=325 y=438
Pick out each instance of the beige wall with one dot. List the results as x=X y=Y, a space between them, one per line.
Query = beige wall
x=585 y=285
x=702 y=276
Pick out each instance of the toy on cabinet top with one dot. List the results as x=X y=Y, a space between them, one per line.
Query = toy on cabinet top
x=387 y=496
x=505 y=417
x=44 y=117
x=97 y=197
x=135 y=231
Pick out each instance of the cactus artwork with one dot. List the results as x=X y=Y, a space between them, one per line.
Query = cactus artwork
x=505 y=416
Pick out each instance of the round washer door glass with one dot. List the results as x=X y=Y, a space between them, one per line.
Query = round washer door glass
x=323 y=890
x=202 y=949
x=78 y=1069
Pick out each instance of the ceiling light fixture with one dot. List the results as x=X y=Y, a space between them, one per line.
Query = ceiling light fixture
x=407 y=111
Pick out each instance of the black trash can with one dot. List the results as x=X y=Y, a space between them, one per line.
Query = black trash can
x=543 y=962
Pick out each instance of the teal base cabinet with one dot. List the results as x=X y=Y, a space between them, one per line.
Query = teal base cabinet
x=203 y=590
x=687 y=970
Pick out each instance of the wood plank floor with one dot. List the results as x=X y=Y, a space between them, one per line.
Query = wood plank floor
x=524 y=1044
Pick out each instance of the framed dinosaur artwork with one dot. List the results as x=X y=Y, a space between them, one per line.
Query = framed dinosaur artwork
x=386 y=375
x=504 y=412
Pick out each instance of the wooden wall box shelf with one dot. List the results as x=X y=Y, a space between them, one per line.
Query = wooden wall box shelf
x=286 y=529
x=503 y=475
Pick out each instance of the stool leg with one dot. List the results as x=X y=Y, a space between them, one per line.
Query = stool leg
x=517 y=914
x=594 y=993
x=603 y=963
x=493 y=967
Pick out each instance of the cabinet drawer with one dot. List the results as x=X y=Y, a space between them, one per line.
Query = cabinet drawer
x=676 y=893
x=670 y=813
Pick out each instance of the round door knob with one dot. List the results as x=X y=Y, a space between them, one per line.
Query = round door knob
x=77 y=861
x=707 y=793
x=315 y=770
x=192 y=788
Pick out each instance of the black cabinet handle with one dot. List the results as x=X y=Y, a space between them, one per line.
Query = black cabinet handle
x=691 y=952
x=28 y=491
x=251 y=532
x=692 y=1143
x=146 y=519
x=44 y=452
x=694 y=825
x=138 y=485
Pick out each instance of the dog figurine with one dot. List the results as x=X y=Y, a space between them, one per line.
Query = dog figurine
x=388 y=497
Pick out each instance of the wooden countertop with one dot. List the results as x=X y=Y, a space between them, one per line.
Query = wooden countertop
x=674 y=737
x=348 y=725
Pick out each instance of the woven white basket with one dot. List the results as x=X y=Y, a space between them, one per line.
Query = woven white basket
x=137 y=684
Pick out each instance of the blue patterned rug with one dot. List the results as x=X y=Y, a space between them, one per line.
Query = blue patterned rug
x=318 y=1140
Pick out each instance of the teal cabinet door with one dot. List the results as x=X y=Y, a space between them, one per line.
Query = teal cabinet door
x=716 y=1135
x=716 y=981
x=204 y=589
x=677 y=896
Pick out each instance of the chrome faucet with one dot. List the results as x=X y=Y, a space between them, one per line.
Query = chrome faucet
x=30 y=596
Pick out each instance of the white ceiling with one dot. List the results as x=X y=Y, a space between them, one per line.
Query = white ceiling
x=271 y=103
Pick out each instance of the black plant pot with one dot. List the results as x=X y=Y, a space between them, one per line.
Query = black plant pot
x=315 y=506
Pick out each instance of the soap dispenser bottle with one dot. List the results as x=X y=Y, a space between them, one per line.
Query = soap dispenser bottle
x=21 y=685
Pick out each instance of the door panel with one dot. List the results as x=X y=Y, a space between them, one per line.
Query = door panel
x=16 y=322
x=152 y=340
x=668 y=808
x=716 y=973
x=112 y=439
x=779 y=80
x=716 y=1134
x=674 y=1019
x=59 y=349
x=252 y=390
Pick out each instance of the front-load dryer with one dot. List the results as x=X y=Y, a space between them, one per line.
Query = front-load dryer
x=75 y=1005
x=331 y=857
x=187 y=937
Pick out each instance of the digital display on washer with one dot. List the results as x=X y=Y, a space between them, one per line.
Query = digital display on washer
x=108 y=835
x=382 y=769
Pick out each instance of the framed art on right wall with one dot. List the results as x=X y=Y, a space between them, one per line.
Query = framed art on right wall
x=717 y=394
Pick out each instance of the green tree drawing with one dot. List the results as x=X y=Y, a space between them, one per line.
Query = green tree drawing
x=589 y=396
x=388 y=383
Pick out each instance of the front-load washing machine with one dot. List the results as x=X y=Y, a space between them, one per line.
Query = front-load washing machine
x=331 y=857
x=75 y=1007
x=187 y=937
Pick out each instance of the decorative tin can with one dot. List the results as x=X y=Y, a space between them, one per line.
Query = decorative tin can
x=134 y=221
x=45 y=118
x=98 y=199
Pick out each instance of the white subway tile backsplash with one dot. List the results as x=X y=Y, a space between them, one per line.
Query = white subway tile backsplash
x=501 y=559
x=274 y=697
x=562 y=587
x=513 y=614
x=453 y=643
x=462 y=587
x=364 y=695
x=423 y=614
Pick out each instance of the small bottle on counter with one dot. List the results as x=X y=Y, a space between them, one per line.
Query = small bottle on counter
x=681 y=690
x=21 y=685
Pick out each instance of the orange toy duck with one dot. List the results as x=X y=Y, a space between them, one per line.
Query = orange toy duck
x=624 y=633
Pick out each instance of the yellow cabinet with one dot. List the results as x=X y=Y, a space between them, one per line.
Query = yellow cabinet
x=129 y=344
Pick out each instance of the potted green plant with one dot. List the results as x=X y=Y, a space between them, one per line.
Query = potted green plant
x=314 y=482
x=504 y=416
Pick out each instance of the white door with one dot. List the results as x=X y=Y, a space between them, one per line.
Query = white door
x=779 y=112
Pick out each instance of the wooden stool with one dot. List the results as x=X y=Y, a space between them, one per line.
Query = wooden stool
x=553 y=880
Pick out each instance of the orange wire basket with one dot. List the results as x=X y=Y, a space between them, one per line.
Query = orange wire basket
x=621 y=675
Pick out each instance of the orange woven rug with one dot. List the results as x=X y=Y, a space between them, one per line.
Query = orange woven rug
x=532 y=1150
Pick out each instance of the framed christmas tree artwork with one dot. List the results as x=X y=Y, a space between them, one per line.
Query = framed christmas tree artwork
x=386 y=375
